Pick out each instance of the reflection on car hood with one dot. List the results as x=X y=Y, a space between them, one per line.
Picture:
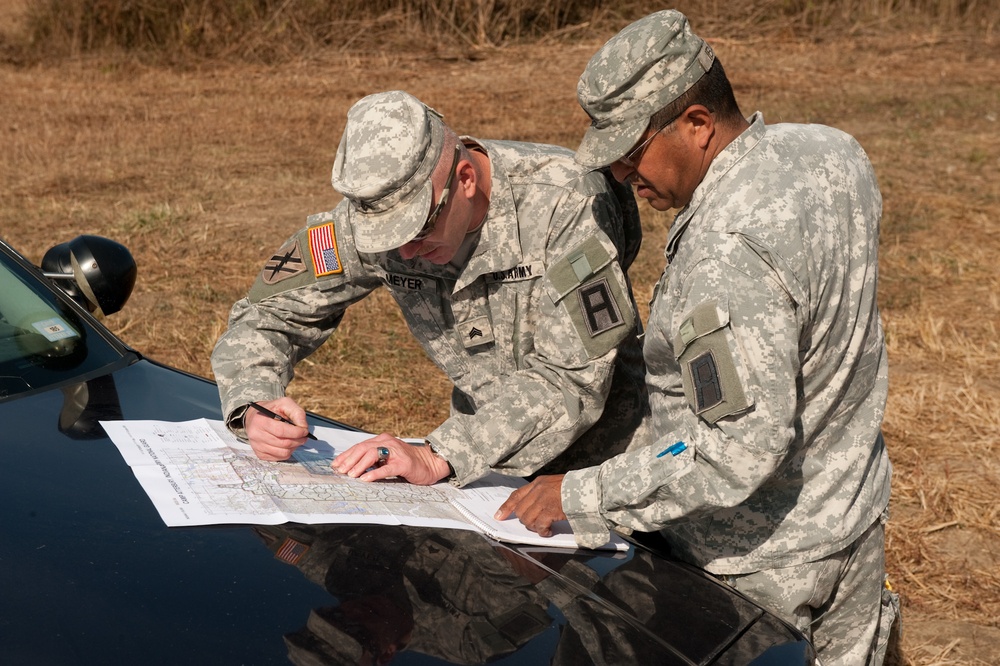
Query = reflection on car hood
x=90 y=573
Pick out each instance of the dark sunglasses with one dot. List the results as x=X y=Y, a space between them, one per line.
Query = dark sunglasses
x=428 y=227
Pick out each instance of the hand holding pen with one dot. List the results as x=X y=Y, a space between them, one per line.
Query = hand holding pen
x=277 y=417
x=275 y=436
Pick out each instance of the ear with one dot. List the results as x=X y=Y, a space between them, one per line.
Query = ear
x=466 y=178
x=700 y=123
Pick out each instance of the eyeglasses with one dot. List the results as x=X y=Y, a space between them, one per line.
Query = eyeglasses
x=428 y=227
x=632 y=157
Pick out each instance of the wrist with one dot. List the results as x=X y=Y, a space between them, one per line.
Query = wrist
x=237 y=421
x=442 y=465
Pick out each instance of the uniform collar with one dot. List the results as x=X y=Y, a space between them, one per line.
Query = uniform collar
x=720 y=166
x=499 y=247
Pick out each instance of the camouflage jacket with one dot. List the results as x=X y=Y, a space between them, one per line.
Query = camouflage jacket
x=536 y=330
x=766 y=363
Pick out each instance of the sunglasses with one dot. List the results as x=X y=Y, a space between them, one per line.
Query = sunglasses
x=429 y=225
x=632 y=157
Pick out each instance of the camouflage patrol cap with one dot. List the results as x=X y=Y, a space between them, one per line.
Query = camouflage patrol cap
x=389 y=149
x=639 y=71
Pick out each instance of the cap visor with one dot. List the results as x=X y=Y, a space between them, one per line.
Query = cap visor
x=388 y=230
x=601 y=147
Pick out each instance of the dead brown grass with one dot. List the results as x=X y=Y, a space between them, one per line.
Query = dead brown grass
x=270 y=31
x=203 y=172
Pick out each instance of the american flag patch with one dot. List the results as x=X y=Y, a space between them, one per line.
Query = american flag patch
x=323 y=246
x=291 y=551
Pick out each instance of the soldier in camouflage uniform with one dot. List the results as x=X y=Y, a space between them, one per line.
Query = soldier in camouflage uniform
x=766 y=361
x=508 y=262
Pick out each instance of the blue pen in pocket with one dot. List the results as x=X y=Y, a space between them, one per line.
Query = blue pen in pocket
x=673 y=449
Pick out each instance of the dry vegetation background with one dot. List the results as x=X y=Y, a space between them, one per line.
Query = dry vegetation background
x=203 y=154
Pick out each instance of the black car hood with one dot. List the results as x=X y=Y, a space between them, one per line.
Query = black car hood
x=90 y=574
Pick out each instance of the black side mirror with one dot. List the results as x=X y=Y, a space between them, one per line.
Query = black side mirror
x=96 y=272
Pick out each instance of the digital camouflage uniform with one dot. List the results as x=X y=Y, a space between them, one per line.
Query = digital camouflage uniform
x=767 y=373
x=536 y=330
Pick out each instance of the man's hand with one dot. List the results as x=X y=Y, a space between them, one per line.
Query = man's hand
x=537 y=505
x=414 y=462
x=275 y=440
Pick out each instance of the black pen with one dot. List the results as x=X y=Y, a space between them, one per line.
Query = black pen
x=277 y=417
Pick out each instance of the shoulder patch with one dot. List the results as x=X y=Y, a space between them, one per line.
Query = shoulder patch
x=323 y=248
x=707 y=383
x=595 y=296
x=599 y=306
x=285 y=263
x=712 y=383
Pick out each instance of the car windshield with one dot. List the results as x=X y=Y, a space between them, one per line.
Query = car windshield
x=43 y=341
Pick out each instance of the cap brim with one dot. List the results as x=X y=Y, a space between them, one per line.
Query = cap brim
x=601 y=147
x=388 y=230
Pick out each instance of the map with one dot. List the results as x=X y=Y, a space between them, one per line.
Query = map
x=198 y=473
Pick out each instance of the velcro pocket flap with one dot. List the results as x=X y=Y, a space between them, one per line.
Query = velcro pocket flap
x=703 y=319
x=578 y=266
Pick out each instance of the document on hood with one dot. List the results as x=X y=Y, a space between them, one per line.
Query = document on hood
x=199 y=473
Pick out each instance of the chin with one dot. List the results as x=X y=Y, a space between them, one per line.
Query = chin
x=659 y=204
x=437 y=256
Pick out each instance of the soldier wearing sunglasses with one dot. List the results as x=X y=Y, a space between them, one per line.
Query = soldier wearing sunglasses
x=766 y=360
x=508 y=263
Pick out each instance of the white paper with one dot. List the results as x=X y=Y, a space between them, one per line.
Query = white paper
x=199 y=473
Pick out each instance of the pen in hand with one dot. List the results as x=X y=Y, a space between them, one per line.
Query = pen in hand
x=277 y=417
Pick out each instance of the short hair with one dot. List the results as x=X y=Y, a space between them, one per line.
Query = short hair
x=713 y=91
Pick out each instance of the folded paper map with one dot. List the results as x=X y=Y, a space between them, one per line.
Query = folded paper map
x=199 y=473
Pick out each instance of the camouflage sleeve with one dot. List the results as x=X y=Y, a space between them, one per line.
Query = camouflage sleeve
x=622 y=222
x=582 y=312
x=292 y=308
x=730 y=423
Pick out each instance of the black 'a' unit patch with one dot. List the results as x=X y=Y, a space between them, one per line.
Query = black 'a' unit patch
x=706 y=380
x=600 y=309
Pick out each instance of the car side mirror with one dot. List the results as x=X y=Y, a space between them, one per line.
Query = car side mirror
x=96 y=272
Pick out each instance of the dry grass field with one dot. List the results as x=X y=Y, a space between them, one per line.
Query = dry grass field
x=204 y=170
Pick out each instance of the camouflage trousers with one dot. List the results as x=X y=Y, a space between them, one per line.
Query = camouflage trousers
x=842 y=602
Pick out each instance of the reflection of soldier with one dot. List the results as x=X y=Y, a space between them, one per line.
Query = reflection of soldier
x=457 y=596
x=657 y=628
x=444 y=593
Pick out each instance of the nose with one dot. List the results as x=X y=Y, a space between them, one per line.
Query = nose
x=410 y=250
x=620 y=171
